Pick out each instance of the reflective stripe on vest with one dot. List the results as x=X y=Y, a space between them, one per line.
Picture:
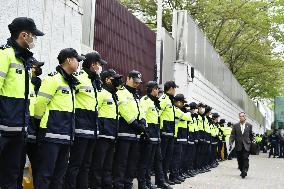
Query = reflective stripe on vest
x=44 y=95
x=3 y=74
x=87 y=88
x=167 y=134
x=83 y=131
x=6 y=128
x=154 y=139
x=182 y=140
x=105 y=136
x=32 y=137
x=57 y=136
x=127 y=135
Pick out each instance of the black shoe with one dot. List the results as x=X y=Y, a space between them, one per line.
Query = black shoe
x=181 y=179
x=176 y=181
x=243 y=174
x=151 y=186
x=142 y=186
x=169 y=182
x=164 y=185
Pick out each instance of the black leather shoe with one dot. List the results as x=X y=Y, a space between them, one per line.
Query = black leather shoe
x=151 y=186
x=180 y=179
x=174 y=180
x=169 y=182
x=243 y=174
x=164 y=185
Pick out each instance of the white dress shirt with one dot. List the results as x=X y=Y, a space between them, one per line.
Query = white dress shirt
x=243 y=127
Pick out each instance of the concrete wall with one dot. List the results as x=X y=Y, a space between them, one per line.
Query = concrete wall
x=60 y=20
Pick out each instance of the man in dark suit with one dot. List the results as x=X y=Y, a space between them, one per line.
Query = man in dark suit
x=243 y=137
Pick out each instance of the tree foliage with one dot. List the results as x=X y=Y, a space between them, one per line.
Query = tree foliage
x=248 y=34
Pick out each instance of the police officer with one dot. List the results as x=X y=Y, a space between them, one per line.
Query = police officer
x=207 y=151
x=15 y=58
x=214 y=139
x=180 y=138
x=201 y=145
x=30 y=149
x=222 y=142
x=108 y=126
x=189 y=158
x=167 y=125
x=55 y=106
x=86 y=115
x=131 y=125
x=273 y=139
x=150 y=148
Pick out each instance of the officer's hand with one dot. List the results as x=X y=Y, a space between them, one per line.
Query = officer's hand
x=40 y=135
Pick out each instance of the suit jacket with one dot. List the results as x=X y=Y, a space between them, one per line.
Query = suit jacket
x=242 y=139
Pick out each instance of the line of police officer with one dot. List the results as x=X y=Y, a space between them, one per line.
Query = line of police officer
x=87 y=129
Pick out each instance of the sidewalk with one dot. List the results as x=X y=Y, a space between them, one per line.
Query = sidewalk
x=263 y=173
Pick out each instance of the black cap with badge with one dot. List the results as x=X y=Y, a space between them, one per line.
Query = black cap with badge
x=24 y=24
x=94 y=57
x=135 y=75
x=193 y=105
x=68 y=53
x=215 y=115
x=181 y=98
x=109 y=73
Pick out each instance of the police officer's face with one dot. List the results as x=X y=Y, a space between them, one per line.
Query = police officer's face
x=130 y=82
x=73 y=64
x=155 y=91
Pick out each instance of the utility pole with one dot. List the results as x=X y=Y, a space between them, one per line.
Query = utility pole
x=158 y=39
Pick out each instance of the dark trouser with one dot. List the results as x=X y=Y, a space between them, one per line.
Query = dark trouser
x=53 y=161
x=102 y=164
x=213 y=152
x=191 y=156
x=243 y=159
x=167 y=147
x=203 y=153
x=11 y=149
x=125 y=163
x=208 y=154
x=145 y=160
x=273 y=149
x=219 y=153
x=158 y=165
x=197 y=159
x=185 y=157
x=281 y=149
x=30 y=149
x=77 y=173
x=176 y=160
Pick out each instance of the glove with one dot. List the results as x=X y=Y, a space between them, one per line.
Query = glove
x=138 y=127
x=40 y=135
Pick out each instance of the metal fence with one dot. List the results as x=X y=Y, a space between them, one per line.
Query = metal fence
x=193 y=48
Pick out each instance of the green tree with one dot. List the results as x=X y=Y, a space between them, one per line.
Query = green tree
x=244 y=32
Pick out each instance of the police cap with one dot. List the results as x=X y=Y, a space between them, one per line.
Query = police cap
x=68 y=53
x=180 y=97
x=93 y=57
x=135 y=75
x=24 y=24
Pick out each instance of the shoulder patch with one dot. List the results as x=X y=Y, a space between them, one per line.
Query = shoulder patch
x=52 y=73
x=146 y=97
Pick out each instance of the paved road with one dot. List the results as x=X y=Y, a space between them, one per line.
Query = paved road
x=264 y=173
